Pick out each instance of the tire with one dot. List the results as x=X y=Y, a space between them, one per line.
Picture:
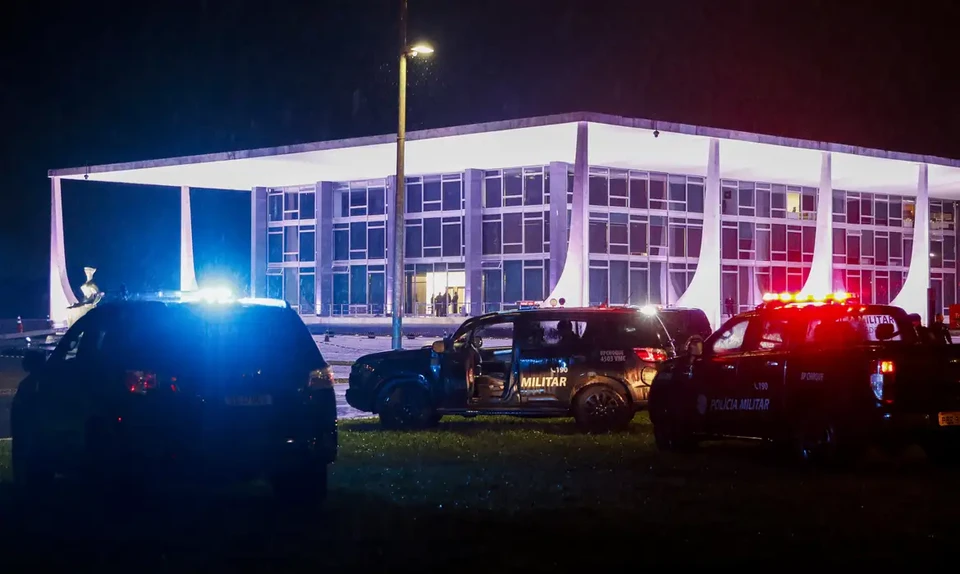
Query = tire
x=406 y=406
x=820 y=442
x=601 y=407
x=305 y=486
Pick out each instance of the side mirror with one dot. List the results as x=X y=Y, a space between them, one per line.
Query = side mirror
x=886 y=331
x=478 y=342
x=33 y=361
x=439 y=347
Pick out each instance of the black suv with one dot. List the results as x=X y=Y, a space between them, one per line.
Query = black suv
x=825 y=378
x=594 y=364
x=145 y=389
x=687 y=327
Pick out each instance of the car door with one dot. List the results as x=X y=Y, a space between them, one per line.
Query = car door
x=716 y=376
x=477 y=371
x=67 y=392
x=761 y=377
x=455 y=365
x=543 y=361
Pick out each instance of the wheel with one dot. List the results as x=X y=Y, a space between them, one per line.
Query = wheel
x=819 y=442
x=304 y=486
x=406 y=407
x=602 y=408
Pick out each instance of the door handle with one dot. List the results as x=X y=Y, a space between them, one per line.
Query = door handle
x=773 y=363
x=728 y=367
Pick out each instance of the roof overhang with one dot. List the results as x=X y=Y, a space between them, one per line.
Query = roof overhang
x=613 y=141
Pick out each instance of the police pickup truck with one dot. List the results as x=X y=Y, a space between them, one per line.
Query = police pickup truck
x=594 y=364
x=824 y=377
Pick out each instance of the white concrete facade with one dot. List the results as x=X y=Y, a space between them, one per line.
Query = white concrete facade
x=582 y=142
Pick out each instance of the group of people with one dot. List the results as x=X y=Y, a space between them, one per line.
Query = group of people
x=444 y=303
x=938 y=333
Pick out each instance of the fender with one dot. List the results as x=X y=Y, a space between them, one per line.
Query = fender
x=400 y=379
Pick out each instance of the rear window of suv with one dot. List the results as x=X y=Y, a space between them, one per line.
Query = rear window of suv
x=233 y=337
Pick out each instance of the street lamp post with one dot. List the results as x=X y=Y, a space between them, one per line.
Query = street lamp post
x=398 y=197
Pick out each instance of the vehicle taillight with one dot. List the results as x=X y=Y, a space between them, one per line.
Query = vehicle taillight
x=321 y=379
x=882 y=381
x=140 y=382
x=650 y=355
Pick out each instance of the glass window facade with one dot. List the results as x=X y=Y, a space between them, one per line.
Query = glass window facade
x=360 y=241
x=643 y=232
x=515 y=236
x=434 y=244
x=873 y=246
x=292 y=246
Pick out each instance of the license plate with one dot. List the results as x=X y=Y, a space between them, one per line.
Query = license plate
x=949 y=419
x=249 y=401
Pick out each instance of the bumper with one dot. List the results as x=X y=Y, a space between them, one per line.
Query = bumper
x=358 y=396
x=236 y=446
x=919 y=427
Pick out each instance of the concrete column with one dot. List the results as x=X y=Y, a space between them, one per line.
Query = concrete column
x=325 y=207
x=391 y=193
x=558 y=220
x=704 y=290
x=913 y=295
x=258 y=242
x=188 y=272
x=820 y=280
x=61 y=295
x=473 y=220
x=573 y=285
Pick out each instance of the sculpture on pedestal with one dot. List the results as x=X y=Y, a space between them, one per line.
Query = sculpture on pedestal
x=91 y=296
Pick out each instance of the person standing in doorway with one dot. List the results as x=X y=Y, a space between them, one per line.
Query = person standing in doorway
x=455 y=301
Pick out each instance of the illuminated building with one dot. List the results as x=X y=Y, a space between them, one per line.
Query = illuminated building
x=588 y=207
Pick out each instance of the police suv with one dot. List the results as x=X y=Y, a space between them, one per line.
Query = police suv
x=825 y=376
x=594 y=364
x=186 y=387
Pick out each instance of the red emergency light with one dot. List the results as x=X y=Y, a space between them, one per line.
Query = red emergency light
x=778 y=299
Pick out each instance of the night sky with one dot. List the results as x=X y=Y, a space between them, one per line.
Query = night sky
x=103 y=82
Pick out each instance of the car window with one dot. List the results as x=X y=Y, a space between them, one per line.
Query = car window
x=495 y=335
x=534 y=334
x=772 y=336
x=731 y=339
x=593 y=332
x=850 y=329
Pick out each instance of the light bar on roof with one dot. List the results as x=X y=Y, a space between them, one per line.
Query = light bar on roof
x=800 y=297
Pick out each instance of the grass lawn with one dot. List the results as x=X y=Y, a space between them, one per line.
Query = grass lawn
x=489 y=494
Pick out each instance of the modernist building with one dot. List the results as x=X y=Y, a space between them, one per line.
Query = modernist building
x=583 y=206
